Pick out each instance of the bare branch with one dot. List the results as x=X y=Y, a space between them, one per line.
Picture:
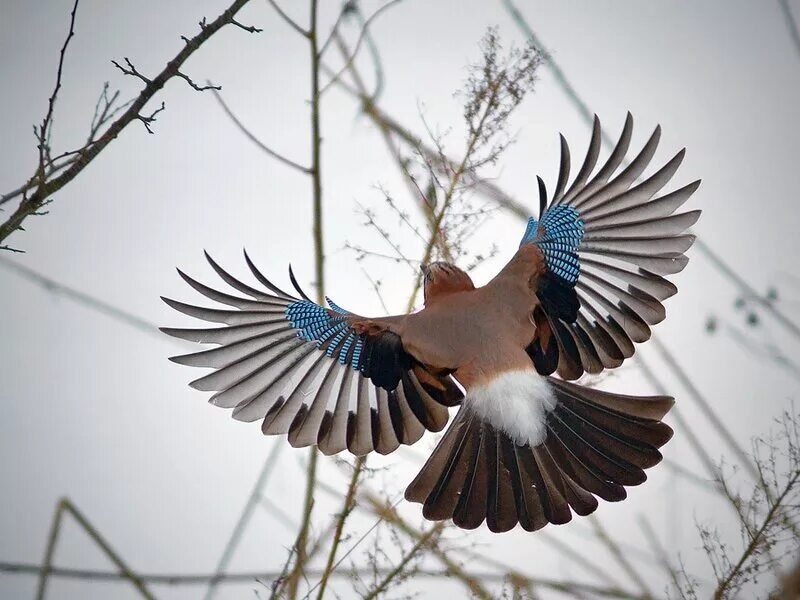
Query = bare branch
x=288 y=162
x=288 y=19
x=199 y=88
x=45 y=129
x=131 y=70
x=149 y=120
x=66 y=506
x=30 y=205
x=247 y=28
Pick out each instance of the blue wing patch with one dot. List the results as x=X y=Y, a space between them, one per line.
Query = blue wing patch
x=315 y=324
x=558 y=234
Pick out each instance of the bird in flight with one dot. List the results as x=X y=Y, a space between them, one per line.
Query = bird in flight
x=526 y=446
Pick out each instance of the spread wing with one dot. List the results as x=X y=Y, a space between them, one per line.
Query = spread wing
x=608 y=245
x=321 y=375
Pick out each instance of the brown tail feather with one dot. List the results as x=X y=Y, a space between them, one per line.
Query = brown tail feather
x=596 y=444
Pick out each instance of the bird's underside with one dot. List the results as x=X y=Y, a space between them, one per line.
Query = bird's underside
x=525 y=446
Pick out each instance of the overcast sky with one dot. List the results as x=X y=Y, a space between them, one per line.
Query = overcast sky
x=91 y=408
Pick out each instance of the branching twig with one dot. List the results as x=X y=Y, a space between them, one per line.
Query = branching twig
x=194 y=86
x=428 y=538
x=31 y=204
x=43 y=135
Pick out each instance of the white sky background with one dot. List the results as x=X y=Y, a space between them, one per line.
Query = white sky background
x=92 y=409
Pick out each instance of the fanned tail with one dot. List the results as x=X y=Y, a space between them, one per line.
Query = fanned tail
x=597 y=443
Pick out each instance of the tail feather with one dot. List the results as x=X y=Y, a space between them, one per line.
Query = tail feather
x=597 y=443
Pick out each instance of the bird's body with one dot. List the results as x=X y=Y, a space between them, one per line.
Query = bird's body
x=525 y=446
x=480 y=332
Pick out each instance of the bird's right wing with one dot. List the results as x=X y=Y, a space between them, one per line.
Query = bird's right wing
x=321 y=375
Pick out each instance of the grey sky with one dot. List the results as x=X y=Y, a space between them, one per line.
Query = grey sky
x=93 y=410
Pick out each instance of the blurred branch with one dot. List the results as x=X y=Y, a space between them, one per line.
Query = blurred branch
x=705 y=406
x=288 y=19
x=382 y=127
x=244 y=517
x=80 y=297
x=319 y=262
x=65 y=506
x=677 y=414
x=790 y=23
x=249 y=577
x=762 y=351
x=559 y=75
x=658 y=549
x=361 y=36
x=348 y=7
x=46 y=187
x=255 y=140
x=618 y=555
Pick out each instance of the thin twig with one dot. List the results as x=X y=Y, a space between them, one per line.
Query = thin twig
x=776 y=506
x=288 y=19
x=619 y=555
x=705 y=407
x=658 y=549
x=44 y=130
x=82 y=298
x=253 y=138
x=791 y=24
x=244 y=517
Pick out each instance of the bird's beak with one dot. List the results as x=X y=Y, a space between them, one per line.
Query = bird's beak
x=425 y=270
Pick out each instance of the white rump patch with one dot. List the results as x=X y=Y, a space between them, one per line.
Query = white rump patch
x=516 y=402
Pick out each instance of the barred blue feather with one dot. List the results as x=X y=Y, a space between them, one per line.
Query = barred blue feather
x=315 y=324
x=558 y=234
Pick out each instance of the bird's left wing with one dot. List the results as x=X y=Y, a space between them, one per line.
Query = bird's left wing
x=321 y=375
x=608 y=244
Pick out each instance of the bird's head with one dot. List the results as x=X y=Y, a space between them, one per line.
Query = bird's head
x=441 y=278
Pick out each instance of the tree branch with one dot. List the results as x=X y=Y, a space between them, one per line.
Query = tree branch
x=29 y=205
x=288 y=19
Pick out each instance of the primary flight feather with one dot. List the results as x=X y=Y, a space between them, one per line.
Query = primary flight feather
x=587 y=282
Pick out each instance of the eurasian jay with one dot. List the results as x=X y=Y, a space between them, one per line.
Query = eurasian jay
x=525 y=446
